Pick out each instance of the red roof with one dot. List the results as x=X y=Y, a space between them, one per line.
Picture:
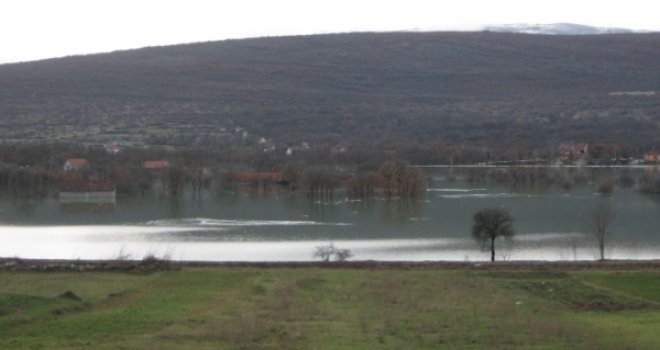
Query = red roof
x=258 y=176
x=156 y=164
x=87 y=186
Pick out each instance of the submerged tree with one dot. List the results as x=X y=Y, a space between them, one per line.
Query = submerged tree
x=362 y=185
x=399 y=179
x=490 y=224
x=601 y=219
x=319 y=182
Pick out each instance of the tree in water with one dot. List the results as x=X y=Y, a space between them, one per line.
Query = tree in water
x=362 y=185
x=319 y=183
x=489 y=224
x=601 y=219
x=399 y=179
x=174 y=179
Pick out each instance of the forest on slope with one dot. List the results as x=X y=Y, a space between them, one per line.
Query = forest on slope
x=512 y=94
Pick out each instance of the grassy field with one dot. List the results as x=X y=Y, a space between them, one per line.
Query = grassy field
x=333 y=308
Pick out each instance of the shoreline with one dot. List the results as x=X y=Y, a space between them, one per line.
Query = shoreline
x=55 y=265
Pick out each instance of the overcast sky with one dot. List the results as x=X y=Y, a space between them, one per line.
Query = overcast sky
x=35 y=29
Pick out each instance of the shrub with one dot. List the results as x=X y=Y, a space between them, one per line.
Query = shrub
x=326 y=252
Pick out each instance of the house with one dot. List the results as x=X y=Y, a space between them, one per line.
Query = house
x=652 y=157
x=76 y=164
x=85 y=191
x=270 y=147
x=156 y=164
x=304 y=146
x=112 y=148
x=338 y=149
x=573 y=151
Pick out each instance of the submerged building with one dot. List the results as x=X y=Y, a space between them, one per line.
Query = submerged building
x=86 y=191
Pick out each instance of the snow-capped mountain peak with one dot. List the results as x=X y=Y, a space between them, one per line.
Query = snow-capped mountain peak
x=554 y=29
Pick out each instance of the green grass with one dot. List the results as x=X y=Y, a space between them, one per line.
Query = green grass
x=90 y=286
x=312 y=308
x=641 y=284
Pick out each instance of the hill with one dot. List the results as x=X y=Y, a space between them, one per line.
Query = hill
x=381 y=90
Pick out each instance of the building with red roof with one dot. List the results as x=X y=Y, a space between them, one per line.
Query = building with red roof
x=156 y=164
x=76 y=164
x=86 y=191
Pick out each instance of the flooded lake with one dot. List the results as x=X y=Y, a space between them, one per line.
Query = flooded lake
x=552 y=223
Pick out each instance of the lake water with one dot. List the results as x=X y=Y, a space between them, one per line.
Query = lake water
x=551 y=223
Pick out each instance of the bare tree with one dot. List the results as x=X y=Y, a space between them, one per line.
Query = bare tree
x=324 y=252
x=398 y=179
x=174 y=178
x=343 y=254
x=362 y=185
x=319 y=182
x=601 y=220
x=490 y=224
x=328 y=251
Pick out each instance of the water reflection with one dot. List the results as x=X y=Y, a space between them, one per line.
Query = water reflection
x=175 y=207
x=86 y=208
x=25 y=207
x=104 y=242
x=400 y=212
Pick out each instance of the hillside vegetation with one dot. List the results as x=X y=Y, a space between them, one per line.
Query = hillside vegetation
x=380 y=90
